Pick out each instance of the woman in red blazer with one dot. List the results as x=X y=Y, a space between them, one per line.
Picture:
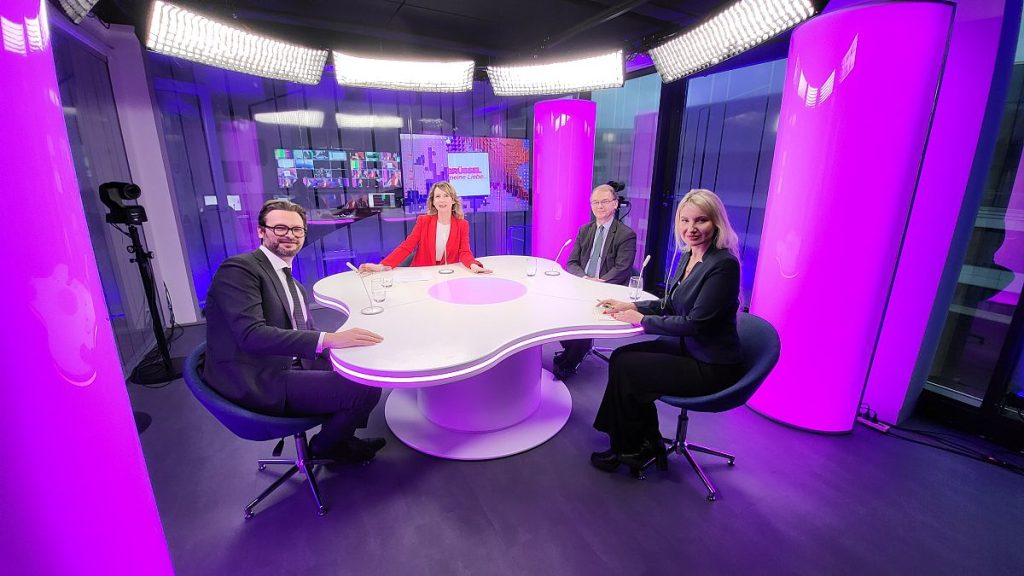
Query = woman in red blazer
x=444 y=217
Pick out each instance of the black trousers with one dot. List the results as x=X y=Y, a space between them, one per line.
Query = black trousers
x=318 y=390
x=640 y=373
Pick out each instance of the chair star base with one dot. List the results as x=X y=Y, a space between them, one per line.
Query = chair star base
x=302 y=462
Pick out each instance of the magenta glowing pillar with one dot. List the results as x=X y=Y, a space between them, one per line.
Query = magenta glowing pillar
x=76 y=498
x=856 y=109
x=563 y=169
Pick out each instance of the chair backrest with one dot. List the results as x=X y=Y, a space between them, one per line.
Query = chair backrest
x=244 y=423
x=761 y=348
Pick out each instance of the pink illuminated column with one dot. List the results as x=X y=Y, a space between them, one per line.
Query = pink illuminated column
x=563 y=167
x=76 y=498
x=856 y=109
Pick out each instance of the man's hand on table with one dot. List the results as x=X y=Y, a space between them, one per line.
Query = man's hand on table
x=351 y=337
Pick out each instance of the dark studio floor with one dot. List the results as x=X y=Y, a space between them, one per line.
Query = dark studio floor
x=795 y=503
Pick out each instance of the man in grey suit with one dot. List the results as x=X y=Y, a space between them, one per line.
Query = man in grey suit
x=263 y=352
x=604 y=251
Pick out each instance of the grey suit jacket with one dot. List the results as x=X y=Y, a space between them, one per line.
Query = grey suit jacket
x=616 y=258
x=249 y=339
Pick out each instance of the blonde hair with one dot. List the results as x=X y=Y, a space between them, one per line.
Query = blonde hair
x=709 y=203
x=456 y=203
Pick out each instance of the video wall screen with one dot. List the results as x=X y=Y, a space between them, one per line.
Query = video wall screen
x=478 y=166
x=324 y=169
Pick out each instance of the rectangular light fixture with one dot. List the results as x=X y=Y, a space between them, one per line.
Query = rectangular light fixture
x=403 y=74
x=367 y=121
x=741 y=26
x=301 y=118
x=179 y=32
x=77 y=10
x=558 y=78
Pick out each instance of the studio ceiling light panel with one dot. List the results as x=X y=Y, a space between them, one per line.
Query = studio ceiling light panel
x=740 y=27
x=367 y=121
x=560 y=78
x=403 y=74
x=179 y=32
x=302 y=118
x=76 y=10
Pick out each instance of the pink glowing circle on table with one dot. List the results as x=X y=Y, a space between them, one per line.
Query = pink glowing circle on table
x=477 y=290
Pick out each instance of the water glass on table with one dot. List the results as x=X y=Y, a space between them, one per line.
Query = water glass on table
x=636 y=287
x=377 y=290
x=531 y=267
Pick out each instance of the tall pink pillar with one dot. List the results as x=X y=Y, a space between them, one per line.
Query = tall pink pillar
x=857 y=107
x=75 y=497
x=563 y=168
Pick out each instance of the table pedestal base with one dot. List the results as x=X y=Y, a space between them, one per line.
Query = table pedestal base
x=408 y=422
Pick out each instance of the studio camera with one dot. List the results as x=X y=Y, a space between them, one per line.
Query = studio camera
x=114 y=194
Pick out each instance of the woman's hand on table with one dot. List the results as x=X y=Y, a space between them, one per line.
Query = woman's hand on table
x=369 y=267
x=631 y=316
x=478 y=269
x=612 y=306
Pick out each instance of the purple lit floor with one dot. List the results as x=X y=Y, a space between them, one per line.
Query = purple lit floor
x=795 y=503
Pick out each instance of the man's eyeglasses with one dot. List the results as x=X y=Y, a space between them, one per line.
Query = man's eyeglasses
x=601 y=202
x=281 y=230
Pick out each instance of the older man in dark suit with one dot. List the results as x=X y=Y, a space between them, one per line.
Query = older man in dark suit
x=604 y=251
x=263 y=352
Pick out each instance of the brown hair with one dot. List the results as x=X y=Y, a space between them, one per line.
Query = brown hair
x=456 y=203
x=277 y=204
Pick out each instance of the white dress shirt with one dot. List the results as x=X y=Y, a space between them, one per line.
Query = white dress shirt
x=441 y=247
x=600 y=249
x=277 y=263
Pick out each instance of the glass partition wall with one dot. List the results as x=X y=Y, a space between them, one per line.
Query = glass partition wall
x=97 y=149
x=978 y=358
x=234 y=141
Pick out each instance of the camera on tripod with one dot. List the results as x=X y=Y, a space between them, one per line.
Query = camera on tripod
x=113 y=195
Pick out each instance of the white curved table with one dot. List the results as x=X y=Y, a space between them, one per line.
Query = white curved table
x=463 y=351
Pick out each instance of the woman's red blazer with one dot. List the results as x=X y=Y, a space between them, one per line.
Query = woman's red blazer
x=423 y=240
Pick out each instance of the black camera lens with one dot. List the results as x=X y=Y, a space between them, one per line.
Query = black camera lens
x=130 y=191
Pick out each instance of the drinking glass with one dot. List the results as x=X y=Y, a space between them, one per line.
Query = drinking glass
x=377 y=290
x=387 y=279
x=531 y=267
x=636 y=287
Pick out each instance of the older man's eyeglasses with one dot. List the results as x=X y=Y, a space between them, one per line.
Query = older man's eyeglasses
x=282 y=230
x=601 y=202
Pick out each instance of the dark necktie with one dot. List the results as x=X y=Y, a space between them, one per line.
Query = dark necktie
x=595 y=253
x=298 y=318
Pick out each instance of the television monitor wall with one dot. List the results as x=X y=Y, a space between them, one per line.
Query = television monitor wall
x=477 y=166
x=322 y=169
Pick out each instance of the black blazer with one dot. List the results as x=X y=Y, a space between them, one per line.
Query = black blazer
x=700 y=310
x=249 y=339
x=616 y=258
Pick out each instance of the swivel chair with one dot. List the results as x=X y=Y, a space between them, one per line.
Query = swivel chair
x=761 y=347
x=259 y=427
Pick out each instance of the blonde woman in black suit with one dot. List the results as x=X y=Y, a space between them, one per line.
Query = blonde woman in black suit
x=698 y=313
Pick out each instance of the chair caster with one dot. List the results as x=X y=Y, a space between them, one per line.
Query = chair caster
x=711 y=498
x=638 y=473
x=732 y=462
x=249 y=514
x=322 y=511
x=262 y=467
